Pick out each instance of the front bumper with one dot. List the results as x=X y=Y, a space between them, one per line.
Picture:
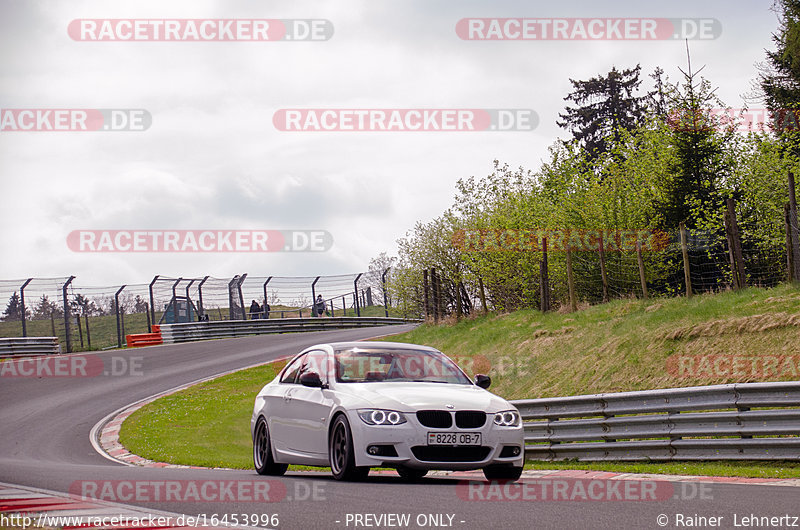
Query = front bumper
x=409 y=442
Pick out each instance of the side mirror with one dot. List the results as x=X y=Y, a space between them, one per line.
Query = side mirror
x=311 y=379
x=483 y=381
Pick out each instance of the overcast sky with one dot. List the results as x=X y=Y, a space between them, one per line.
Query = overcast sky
x=212 y=158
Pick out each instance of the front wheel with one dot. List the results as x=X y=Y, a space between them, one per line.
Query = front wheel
x=511 y=473
x=262 y=452
x=341 y=453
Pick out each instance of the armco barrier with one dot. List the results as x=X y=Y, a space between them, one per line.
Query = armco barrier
x=695 y=423
x=29 y=346
x=225 y=329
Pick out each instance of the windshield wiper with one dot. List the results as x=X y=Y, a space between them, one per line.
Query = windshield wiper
x=428 y=381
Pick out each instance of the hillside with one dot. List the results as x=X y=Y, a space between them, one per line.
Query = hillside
x=744 y=336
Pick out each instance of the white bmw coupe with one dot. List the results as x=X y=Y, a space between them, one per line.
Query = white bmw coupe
x=353 y=406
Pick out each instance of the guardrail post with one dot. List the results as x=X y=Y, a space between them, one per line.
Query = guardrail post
x=152 y=304
x=22 y=304
x=67 y=334
x=116 y=308
x=385 y=293
x=355 y=294
x=314 y=297
x=200 y=309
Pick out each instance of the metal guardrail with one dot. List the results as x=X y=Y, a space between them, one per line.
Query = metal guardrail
x=225 y=329
x=695 y=423
x=29 y=346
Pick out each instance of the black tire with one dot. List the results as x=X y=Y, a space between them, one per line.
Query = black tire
x=262 y=452
x=509 y=473
x=341 y=454
x=411 y=474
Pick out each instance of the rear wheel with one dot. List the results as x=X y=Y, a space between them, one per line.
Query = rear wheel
x=511 y=473
x=262 y=452
x=341 y=453
x=411 y=474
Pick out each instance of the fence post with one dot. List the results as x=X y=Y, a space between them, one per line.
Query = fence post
x=22 y=304
x=642 y=277
x=174 y=286
x=789 y=246
x=188 y=298
x=241 y=297
x=149 y=324
x=52 y=322
x=88 y=333
x=794 y=228
x=119 y=324
x=80 y=329
x=687 y=276
x=436 y=293
x=734 y=245
x=482 y=295
x=573 y=302
x=544 y=279
x=603 y=274
x=152 y=314
x=355 y=294
x=266 y=297
x=425 y=292
x=314 y=297
x=67 y=334
x=385 y=293
x=200 y=309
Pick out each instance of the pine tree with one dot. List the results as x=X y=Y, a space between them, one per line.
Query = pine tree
x=780 y=78
x=604 y=106
x=698 y=138
x=13 y=309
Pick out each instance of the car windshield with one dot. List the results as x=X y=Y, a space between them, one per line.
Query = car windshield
x=396 y=365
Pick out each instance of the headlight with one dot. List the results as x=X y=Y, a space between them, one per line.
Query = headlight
x=507 y=418
x=381 y=417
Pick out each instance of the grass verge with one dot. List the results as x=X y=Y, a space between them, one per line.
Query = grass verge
x=619 y=346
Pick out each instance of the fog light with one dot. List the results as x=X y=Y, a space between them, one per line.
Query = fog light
x=373 y=449
x=510 y=451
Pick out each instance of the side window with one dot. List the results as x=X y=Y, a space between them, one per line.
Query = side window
x=290 y=374
x=316 y=361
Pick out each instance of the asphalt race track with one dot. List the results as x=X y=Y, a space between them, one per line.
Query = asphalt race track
x=45 y=424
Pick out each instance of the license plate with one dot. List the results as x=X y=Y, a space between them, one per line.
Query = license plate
x=454 y=438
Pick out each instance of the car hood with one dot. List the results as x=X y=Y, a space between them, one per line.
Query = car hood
x=410 y=397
